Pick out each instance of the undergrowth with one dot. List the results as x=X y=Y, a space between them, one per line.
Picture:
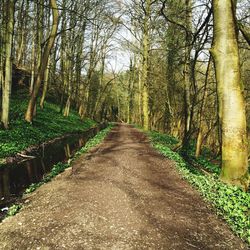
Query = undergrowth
x=202 y=160
x=230 y=202
x=14 y=209
x=47 y=124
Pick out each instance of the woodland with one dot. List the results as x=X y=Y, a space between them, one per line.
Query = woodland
x=179 y=69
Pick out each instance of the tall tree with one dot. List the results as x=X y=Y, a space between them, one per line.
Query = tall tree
x=44 y=62
x=6 y=85
x=187 y=94
x=145 y=64
x=232 y=112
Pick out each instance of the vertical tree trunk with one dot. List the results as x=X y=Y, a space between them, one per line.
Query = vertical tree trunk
x=45 y=85
x=44 y=62
x=200 y=115
x=68 y=82
x=67 y=107
x=63 y=55
x=79 y=62
x=33 y=58
x=46 y=73
x=232 y=110
x=2 y=48
x=145 y=95
x=139 y=92
x=6 y=88
x=22 y=32
x=130 y=92
x=187 y=98
x=20 y=37
x=170 y=80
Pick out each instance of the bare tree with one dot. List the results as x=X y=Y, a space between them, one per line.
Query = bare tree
x=44 y=62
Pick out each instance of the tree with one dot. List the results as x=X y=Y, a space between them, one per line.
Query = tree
x=232 y=112
x=44 y=62
x=6 y=85
x=145 y=53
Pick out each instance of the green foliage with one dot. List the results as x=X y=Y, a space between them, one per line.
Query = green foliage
x=14 y=210
x=94 y=141
x=202 y=161
x=230 y=202
x=48 y=124
x=170 y=141
x=33 y=187
x=57 y=169
x=212 y=168
x=164 y=139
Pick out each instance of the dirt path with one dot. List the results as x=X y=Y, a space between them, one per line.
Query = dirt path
x=122 y=195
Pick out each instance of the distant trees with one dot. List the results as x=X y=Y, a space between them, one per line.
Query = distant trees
x=87 y=28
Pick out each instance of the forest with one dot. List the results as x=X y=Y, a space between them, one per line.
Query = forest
x=177 y=70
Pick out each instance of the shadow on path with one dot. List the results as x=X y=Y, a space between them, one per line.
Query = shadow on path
x=121 y=195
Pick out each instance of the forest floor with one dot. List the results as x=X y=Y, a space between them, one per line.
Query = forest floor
x=120 y=195
x=48 y=124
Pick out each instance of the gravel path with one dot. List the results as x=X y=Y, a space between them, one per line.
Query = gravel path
x=121 y=195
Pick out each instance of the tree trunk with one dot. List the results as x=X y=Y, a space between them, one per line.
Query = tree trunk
x=245 y=32
x=139 y=93
x=63 y=56
x=44 y=62
x=32 y=78
x=6 y=88
x=45 y=85
x=2 y=49
x=67 y=107
x=20 y=38
x=145 y=95
x=130 y=92
x=200 y=115
x=232 y=110
x=187 y=94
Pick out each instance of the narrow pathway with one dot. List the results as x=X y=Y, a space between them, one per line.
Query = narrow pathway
x=121 y=195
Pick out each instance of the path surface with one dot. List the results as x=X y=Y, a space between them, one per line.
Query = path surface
x=122 y=195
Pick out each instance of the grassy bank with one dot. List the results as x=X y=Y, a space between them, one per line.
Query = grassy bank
x=229 y=202
x=48 y=124
x=61 y=166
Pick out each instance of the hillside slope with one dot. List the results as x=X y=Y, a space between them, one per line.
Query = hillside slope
x=48 y=124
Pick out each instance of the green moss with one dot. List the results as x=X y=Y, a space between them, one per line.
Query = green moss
x=48 y=124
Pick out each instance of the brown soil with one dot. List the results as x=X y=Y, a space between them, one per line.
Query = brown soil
x=121 y=195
